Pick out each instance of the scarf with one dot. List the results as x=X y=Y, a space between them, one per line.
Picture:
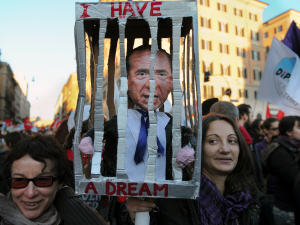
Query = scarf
x=215 y=209
x=295 y=143
x=11 y=215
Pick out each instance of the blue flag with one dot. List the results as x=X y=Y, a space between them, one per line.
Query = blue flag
x=292 y=38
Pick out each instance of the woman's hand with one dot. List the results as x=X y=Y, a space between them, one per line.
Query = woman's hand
x=137 y=205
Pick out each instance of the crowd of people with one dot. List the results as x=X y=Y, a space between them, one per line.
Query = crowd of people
x=249 y=168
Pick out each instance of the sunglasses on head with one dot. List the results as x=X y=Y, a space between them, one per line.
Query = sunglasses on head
x=22 y=182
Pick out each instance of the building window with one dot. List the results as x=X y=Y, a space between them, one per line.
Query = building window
x=234 y=11
x=255 y=94
x=254 y=36
x=266 y=34
x=228 y=70
x=239 y=71
x=221 y=48
x=223 y=27
x=241 y=13
x=255 y=17
x=227 y=49
x=205 y=22
x=221 y=69
x=256 y=74
x=207 y=45
x=204 y=2
x=208 y=91
x=280 y=28
x=245 y=73
x=239 y=31
x=241 y=52
x=246 y=93
x=259 y=75
x=240 y=93
x=250 y=15
x=267 y=49
x=211 y=68
x=222 y=7
x=203 y=67
x=205 y=91
x=255 y=55
x=275 y=30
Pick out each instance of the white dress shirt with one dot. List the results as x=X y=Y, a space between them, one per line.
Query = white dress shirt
x=136 y=172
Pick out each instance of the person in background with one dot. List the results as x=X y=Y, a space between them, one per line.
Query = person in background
x=245 y=120
x=206 y=105
x=256 y=131
x=282 y=160
x=9 y=141
x=271 y=130
x=37 y=172
x=226 y=108
x=228 y=194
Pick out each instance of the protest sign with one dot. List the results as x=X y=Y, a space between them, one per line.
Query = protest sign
x=105 y=33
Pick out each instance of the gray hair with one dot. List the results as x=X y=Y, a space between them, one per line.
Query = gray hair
x=226 y=108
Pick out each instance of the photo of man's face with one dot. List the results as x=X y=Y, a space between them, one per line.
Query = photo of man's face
x=138 y=78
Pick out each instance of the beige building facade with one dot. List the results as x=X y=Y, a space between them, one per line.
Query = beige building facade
x=231 y=50
x=279 y=25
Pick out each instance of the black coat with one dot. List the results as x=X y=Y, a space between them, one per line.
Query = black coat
x=282 y=161
x=184 y=212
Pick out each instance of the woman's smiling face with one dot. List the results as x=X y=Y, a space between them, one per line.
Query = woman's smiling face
x=220 y=149
x=33 y=201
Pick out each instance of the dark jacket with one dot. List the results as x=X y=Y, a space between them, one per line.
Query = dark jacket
x=3 y=183
x=73 y=210
x=282 y=161
x=184 y=212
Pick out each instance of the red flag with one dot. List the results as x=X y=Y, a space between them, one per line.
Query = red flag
x=268 y=113
x=280 y=114
x=27 y=124
x=8 y=123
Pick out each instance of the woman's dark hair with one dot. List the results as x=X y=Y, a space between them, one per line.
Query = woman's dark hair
x=287 y=123
x=242 y=177
x=11 y=139
x=255 y=126
x=41 y=148
x=267 y=123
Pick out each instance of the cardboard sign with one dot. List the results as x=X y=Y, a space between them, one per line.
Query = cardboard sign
x=158 y=77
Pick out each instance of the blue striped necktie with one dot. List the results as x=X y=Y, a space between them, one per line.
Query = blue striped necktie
x=142 y=141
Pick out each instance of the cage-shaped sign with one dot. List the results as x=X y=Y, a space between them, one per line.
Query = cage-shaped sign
x=141 y=57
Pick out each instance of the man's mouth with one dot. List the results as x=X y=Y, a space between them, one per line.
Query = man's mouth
x=147 y=96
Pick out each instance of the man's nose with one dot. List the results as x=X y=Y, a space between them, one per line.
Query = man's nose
x=30 y=191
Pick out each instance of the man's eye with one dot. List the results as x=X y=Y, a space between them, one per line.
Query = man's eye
x=141 y=74
x=161 y=74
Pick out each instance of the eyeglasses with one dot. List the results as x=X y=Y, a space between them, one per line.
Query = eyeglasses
x=274 y=129
x=22 y=182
